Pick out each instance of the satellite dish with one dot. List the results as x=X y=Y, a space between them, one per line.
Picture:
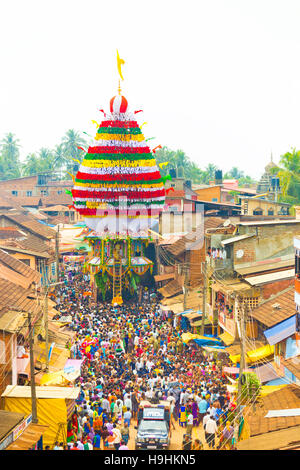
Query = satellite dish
x=240 y=253
x=227 y=222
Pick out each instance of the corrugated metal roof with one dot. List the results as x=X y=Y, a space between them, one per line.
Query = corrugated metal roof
x=281 y=331
x=163 y=277
x=264 y=278
x=18 y=391
x=228 y=241
x=265 y=265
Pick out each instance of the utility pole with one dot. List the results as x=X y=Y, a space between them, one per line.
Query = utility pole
x=46 y=322
x=57 y=253
x=186 y=280
x=32 y=382
x=204 y=272
x=241 y=324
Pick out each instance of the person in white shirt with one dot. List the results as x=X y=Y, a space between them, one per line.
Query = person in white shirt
x=127 y=403
x=117 y=437
x=210 y=431
x=189 y=423
x=80 y=445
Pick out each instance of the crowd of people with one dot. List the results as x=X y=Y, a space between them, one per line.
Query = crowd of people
x=133 y=353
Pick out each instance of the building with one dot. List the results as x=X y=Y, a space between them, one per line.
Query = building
x=40 y=185
x=34 y=240
x=253 y=206
x=18 y=284
x=274 y=424
x=247 y=267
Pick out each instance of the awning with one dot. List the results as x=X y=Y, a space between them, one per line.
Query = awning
x=266 y=372
x=59 y=378
x=193 y=315
x=183 y=313
x=230 y=288
x=281 y=331
x=164 y=277
x=28 y=438
x=226 y=338
x=228 y=241
x=200 y=340
x=199 y=322
x=170 y=289
x=271 y=277
x=233 y=370
x=213 y=348
x=24 y=391
x=95 y=262
x=255 y=355
x=283 y=413
x=58 y=357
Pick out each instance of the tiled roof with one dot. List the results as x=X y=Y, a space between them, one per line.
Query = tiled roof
x=16 y=297
x=62 y=183
x=286 y=398
x=269 y=315
x=17 y=267
x=31 y=224
x=53 y=199
x=10 y=232
x=27 y=200
x=170 y=289
x=195 y=237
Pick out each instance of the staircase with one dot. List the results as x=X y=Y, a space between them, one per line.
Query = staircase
x=117 y=279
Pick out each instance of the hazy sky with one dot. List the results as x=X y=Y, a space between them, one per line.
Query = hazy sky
x=219 y=79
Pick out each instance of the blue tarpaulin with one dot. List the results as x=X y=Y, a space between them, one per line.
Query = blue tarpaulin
x=281 y=331
x=208 y=341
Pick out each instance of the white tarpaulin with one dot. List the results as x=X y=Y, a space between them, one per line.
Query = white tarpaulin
x=279 y=413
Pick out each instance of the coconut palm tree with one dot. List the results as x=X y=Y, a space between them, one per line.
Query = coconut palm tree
x=70 y=144
x=289 y=175
x=10 y=157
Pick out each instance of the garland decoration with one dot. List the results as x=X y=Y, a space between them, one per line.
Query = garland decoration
x=118 y=166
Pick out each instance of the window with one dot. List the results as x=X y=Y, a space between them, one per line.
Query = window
x=59 y=192
x=271 y=211
x=283 y=210
x=26 y=261
x=42 y=179
x=258 y=211
x=14 y=193
x=28 y=193
x=214 y=199
x=44 y=192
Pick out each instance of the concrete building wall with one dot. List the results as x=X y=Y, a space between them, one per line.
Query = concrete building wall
x=270 y=289
x=263 y=205
x=212 y=194
x=270 y=241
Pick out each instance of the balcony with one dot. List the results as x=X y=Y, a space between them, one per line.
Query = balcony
x=224 y=265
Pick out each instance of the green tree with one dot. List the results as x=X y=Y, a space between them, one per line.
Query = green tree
x=289 y=175
x=70 y=143
x=251 y=387
x=178 y=159
x=31 y=165
x=60 y=159
x=10 y=166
